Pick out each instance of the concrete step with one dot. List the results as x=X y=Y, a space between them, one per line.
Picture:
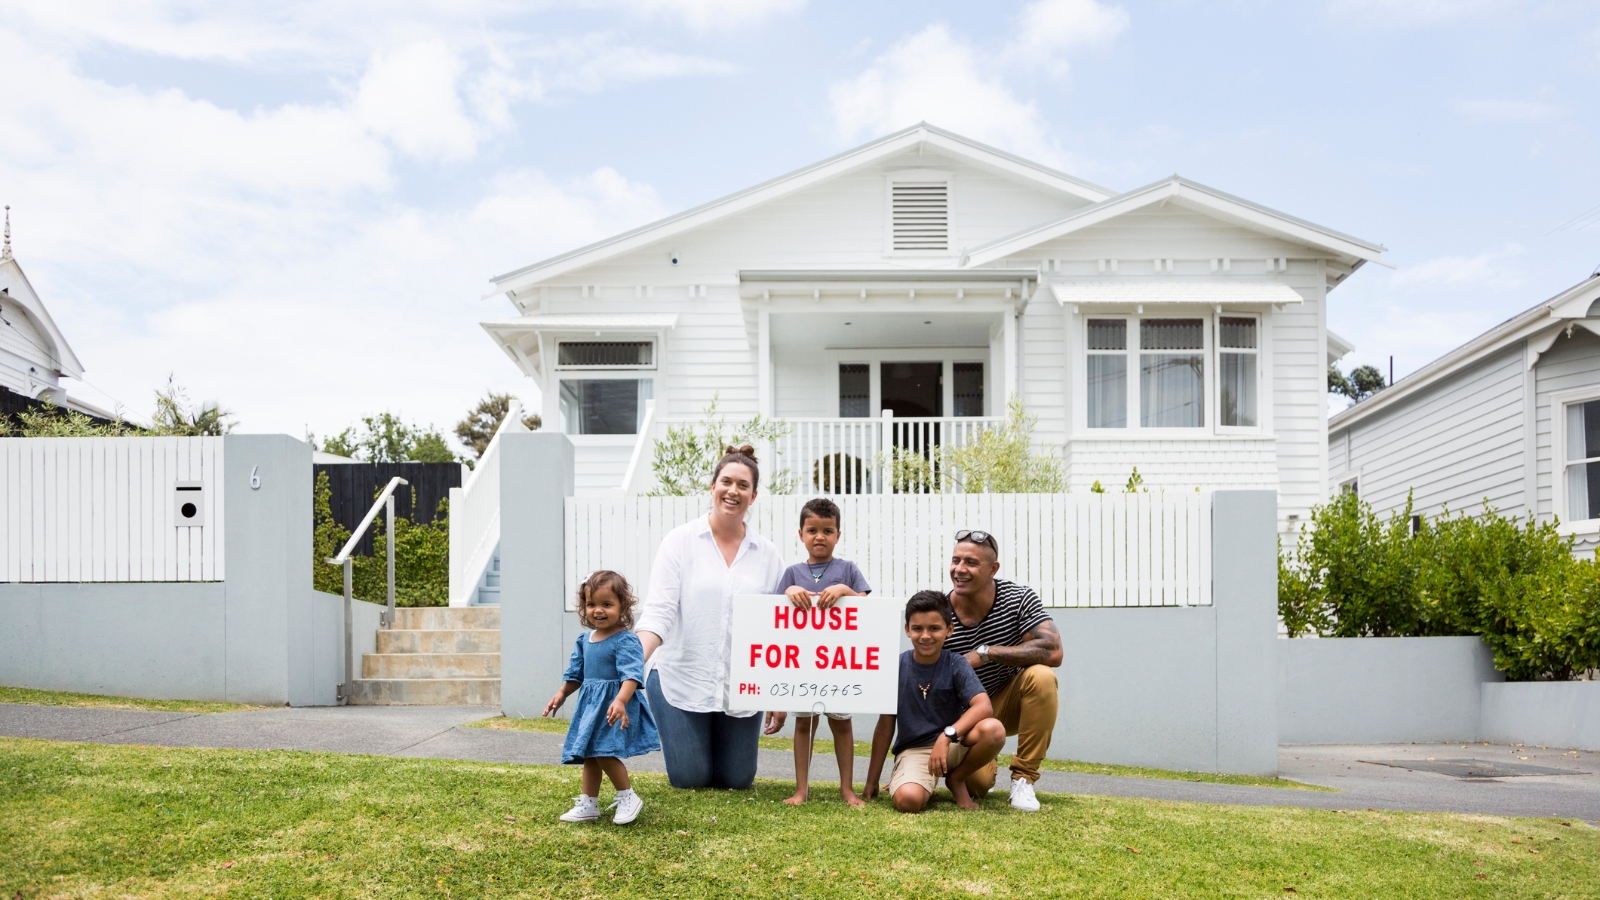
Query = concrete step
x=447 y=618
x=430 y=665
x=466 y=640
x=425 y=692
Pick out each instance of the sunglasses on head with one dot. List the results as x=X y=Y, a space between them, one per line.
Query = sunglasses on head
x=977 y=537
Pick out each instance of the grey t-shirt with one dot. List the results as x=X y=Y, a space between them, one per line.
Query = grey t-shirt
x=813 y=579
x=931 y=698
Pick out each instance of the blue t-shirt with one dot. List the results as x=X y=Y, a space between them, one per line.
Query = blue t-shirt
x=932 y=698
x=837 y=571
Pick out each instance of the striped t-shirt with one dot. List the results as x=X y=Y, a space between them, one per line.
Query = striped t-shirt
x=1016 y=611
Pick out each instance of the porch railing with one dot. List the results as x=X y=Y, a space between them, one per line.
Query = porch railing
x=842 y=456
x=475 y=516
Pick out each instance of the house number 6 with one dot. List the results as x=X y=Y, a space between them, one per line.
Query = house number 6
x=255 y=478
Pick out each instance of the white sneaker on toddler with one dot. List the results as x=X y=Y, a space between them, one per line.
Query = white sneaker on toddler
x=1022 y=795
x=628 y=805
x=584 y=809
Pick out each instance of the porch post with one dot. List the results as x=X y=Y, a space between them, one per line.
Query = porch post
x=1013 y=387
x=764 y=364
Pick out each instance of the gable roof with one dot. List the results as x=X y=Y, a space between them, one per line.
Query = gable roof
x=1352 y=251
x=866 y=154
x=1539 y=326
x=59 y=351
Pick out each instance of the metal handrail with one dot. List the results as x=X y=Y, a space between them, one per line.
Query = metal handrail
x=385 y=501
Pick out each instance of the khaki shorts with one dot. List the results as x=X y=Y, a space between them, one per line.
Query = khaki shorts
x=837 y=717
x=911 y=766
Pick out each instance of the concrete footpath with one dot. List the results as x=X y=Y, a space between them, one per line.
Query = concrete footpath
x=1559 y=783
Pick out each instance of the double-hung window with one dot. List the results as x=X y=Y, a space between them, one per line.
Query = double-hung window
x=1108 y=373
x=1583 y=460
x=1238 y=348
x=600 y=392
x=1172 y=382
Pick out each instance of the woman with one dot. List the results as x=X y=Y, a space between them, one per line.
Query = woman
x=687 y=615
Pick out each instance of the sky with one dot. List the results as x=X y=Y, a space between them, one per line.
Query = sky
x=294 y=208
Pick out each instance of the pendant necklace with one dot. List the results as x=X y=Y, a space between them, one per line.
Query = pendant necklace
x=816 y=576
x=924 y=689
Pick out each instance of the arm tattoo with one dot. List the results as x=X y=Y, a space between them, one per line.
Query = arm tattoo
x=1040 y=646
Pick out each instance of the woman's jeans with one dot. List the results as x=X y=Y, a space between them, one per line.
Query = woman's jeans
x=704 y=749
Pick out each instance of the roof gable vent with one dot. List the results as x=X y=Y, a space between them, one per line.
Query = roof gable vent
x=921 y=212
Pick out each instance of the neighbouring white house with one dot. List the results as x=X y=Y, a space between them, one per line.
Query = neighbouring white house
x=34 y=355
x=897 y=294
x=1511 y=417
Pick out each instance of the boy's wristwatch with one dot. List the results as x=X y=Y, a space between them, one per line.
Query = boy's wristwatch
x=950 y=732
x=983 y=654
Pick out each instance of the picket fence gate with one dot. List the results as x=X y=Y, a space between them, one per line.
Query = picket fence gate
x=102 y=509
x=1076 y=550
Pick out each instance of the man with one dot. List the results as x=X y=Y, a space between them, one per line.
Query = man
x=1012 y=643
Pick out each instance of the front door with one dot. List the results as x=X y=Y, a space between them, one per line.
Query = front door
x=912 y=389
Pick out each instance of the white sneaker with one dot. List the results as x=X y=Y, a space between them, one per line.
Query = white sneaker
x=584 y=809
x=1022 y=796
x=628 y=806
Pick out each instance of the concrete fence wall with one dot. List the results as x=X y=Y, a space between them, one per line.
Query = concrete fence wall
x=262 y=635
x=1544 y=713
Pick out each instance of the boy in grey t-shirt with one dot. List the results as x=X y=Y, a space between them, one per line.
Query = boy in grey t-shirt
x=822 y=579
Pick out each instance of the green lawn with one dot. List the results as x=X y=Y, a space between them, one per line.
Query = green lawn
x=97 y=701
x=824 y=748
x=88 y=820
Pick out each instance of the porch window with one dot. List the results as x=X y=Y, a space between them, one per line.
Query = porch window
x=1108 y=373
x=855 y=391
x=1583 y=461
x=1236 y=371
x=604 y=405
x=1171 y=379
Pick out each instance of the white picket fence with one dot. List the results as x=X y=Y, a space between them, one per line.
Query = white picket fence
x=102 y=509
x=1076 y=550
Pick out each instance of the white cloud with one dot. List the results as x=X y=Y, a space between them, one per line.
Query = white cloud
x=936 y=77
x=710 y=14
x=410 y=96
x=1047 y=30
x=1501 y=112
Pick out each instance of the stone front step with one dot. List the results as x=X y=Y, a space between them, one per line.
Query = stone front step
x=447 y=618
x=430 y=665
x=425 y=692
x=465 y=640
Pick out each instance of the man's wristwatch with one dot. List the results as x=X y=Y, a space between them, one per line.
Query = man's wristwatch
x=983 y=654
x=950 y=732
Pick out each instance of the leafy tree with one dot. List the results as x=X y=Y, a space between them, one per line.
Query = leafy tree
x=421 y=556
x=175 y=416
x=682 y=461
x=386 y=437
x=484 y=420
x=1361 y=383
x=49 y=420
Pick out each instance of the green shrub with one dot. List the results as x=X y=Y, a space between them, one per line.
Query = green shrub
x=1514 y=584
x=421 y=556
x=682 y=461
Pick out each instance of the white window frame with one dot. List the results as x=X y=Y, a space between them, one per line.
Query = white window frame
x=1559 y=401
x=1130 y=337
x=952 y=241
x=1263 y=400
x=655 y=352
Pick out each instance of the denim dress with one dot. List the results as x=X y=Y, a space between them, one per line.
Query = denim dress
x=601 y=667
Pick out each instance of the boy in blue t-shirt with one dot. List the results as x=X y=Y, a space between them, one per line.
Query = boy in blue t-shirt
x=946 y=727
x=826 y=579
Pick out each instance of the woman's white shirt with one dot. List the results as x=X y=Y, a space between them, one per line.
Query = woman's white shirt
x=690 y=607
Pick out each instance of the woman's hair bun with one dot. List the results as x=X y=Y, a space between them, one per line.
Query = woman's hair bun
x=741 y=450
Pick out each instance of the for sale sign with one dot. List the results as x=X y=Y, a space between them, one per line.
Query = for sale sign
x=845 y=659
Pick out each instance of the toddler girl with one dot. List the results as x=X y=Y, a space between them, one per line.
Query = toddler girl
x=609 y=722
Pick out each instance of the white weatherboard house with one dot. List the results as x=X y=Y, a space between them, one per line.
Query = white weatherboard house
x=1511 y=417
x=926 y=277
x=34 y=355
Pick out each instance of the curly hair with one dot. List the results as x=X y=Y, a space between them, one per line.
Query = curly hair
x=744 y=455
x=619 y=588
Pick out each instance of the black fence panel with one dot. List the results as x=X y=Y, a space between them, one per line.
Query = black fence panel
x=355 y=485
x=13 y=403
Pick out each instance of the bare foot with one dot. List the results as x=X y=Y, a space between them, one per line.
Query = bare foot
x=799 y=797
x=847 y=793
x=963 y=798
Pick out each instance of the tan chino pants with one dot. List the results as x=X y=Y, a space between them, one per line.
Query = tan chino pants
x=1027 y=708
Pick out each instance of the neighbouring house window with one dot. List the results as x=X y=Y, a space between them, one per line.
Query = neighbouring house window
x=1236 y=371
x=609 y=354
x=604 y=405
x=1108 y=373
x=1353 y=486
x=968 y=388
x=1583 y=461
x=855 y=391
x=1172 y=377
